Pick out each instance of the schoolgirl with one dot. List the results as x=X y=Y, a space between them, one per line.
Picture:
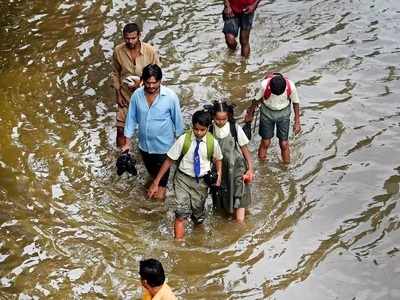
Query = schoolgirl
x=237 y=166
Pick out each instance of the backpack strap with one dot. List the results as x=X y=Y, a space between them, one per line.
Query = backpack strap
x=210 y=145
x=188 y=141
x=211 y=129
x=288 y=87
x=233 y=129
x=267 y=91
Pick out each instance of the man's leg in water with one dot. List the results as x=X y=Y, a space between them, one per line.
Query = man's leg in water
x=282 y=132
x=153 y=163
x=245 y=42
x=285 y=151
x=120 y=137
x=266 y=131
x=230 y=41
x=263 y=149
x=231 y=30
x=245 y=24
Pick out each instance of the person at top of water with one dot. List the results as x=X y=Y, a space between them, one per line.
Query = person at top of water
x=155 y=110
x=152 y=277
x=237 y=166
x=129 y=59
x=194 y=152
x=238 y=16
x=277 y=94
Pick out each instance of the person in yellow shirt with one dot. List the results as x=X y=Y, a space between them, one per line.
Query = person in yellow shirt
x=152 y=277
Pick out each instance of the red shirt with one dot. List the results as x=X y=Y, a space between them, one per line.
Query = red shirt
x=238 y=5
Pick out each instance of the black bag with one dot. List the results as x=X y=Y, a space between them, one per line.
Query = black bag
x=126 y=162
x=211 y=177
x=216 y=195
x=247 y=129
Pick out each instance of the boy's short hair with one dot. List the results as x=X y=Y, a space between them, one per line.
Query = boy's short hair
x=152 y=271
x=131 y=27
x=277 y=85
x=152 y=70
x=202 y=117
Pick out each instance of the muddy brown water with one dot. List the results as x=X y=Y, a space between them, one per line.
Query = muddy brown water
x=326 y=227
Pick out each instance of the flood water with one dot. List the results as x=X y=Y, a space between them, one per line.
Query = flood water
x=325 y=227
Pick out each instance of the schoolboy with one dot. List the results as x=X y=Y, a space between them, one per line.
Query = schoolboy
x=277 y=94
x=190 y=186
x=152 y=277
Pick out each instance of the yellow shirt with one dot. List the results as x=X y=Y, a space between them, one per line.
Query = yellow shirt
x=165 y=293
x=123 y=66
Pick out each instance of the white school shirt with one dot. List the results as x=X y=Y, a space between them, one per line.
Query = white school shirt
x=186 y=165
x=275 y=102
x=224 y=131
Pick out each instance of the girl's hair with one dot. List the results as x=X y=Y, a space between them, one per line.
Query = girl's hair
x=223 y=106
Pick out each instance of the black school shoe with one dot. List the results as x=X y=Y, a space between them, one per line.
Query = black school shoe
x=126 y=162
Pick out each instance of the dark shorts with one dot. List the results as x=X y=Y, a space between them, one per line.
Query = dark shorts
x=153 y=163
x=241 y=21
x=269 y=119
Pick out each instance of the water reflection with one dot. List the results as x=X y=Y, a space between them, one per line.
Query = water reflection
x=325 y=227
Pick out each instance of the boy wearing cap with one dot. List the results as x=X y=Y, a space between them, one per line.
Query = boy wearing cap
x=277 y=94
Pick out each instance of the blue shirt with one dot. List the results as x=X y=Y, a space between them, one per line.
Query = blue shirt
x=158 y=124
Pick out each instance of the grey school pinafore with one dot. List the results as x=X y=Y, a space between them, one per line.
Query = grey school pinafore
x=235 y=194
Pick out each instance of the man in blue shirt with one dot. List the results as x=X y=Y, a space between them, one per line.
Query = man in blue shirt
x=155 y=110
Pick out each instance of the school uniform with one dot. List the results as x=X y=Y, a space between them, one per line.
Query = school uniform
x=191 y=191
x=275 y=112
x=234 y=192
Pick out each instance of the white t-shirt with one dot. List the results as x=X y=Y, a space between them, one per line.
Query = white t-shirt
x=186 y=165
x=275 y=102
x=224 y=131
